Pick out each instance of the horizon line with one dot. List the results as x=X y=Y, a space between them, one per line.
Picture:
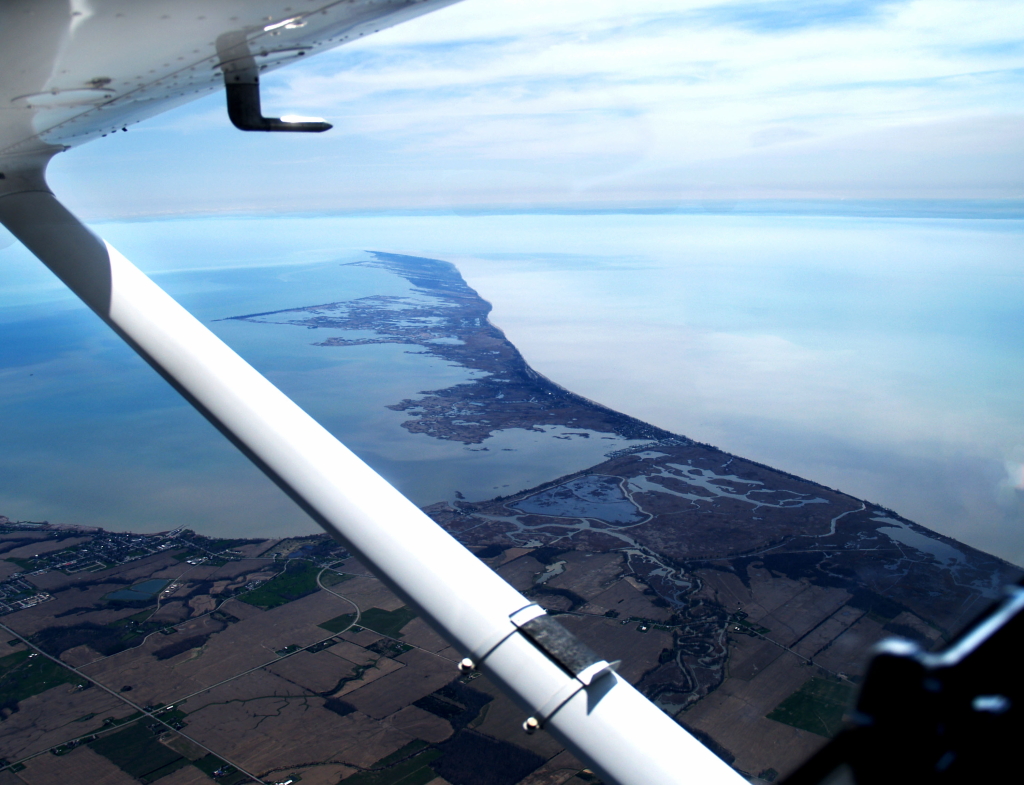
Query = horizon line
x=948 y=208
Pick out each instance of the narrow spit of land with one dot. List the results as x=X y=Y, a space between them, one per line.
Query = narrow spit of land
x=444 y=317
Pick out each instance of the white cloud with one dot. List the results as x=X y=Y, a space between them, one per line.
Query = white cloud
x=551 y=83
x=522 y=101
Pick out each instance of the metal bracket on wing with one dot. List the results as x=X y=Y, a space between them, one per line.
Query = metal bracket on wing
x=560 y=646
x=242 y=84
x=580 y=681
x=571 y=655
x=484 y=648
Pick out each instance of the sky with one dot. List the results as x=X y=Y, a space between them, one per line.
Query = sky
x=522 y=103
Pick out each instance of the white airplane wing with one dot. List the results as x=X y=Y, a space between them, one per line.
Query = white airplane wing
x=75 y=70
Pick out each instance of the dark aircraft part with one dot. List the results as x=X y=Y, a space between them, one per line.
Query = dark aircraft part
x=948 y=717
x=242 y=84
x=565 y=649
x=244 y=110
x=568 y=653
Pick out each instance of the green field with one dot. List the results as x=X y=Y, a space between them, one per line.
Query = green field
x=22 y=676
x=25 y=564
x=387 y=623
x=401 y=754
x=818 y=706
x=413 y=770
x=338 y=623
x=297 y=580
x=137 y=752
x=222 y=545
x=331 y=578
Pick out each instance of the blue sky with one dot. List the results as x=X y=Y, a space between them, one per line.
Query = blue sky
x=529 y=104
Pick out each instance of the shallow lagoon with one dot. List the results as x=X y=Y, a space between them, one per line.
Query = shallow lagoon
x=592 y=496
x=140 y=591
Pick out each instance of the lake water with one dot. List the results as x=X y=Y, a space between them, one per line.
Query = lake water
x=140 y=591
x=880 y=355
x=584 y=497
x=901 y=533
x=93 y=436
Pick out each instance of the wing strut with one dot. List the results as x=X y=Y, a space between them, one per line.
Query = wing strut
x=577 y=697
